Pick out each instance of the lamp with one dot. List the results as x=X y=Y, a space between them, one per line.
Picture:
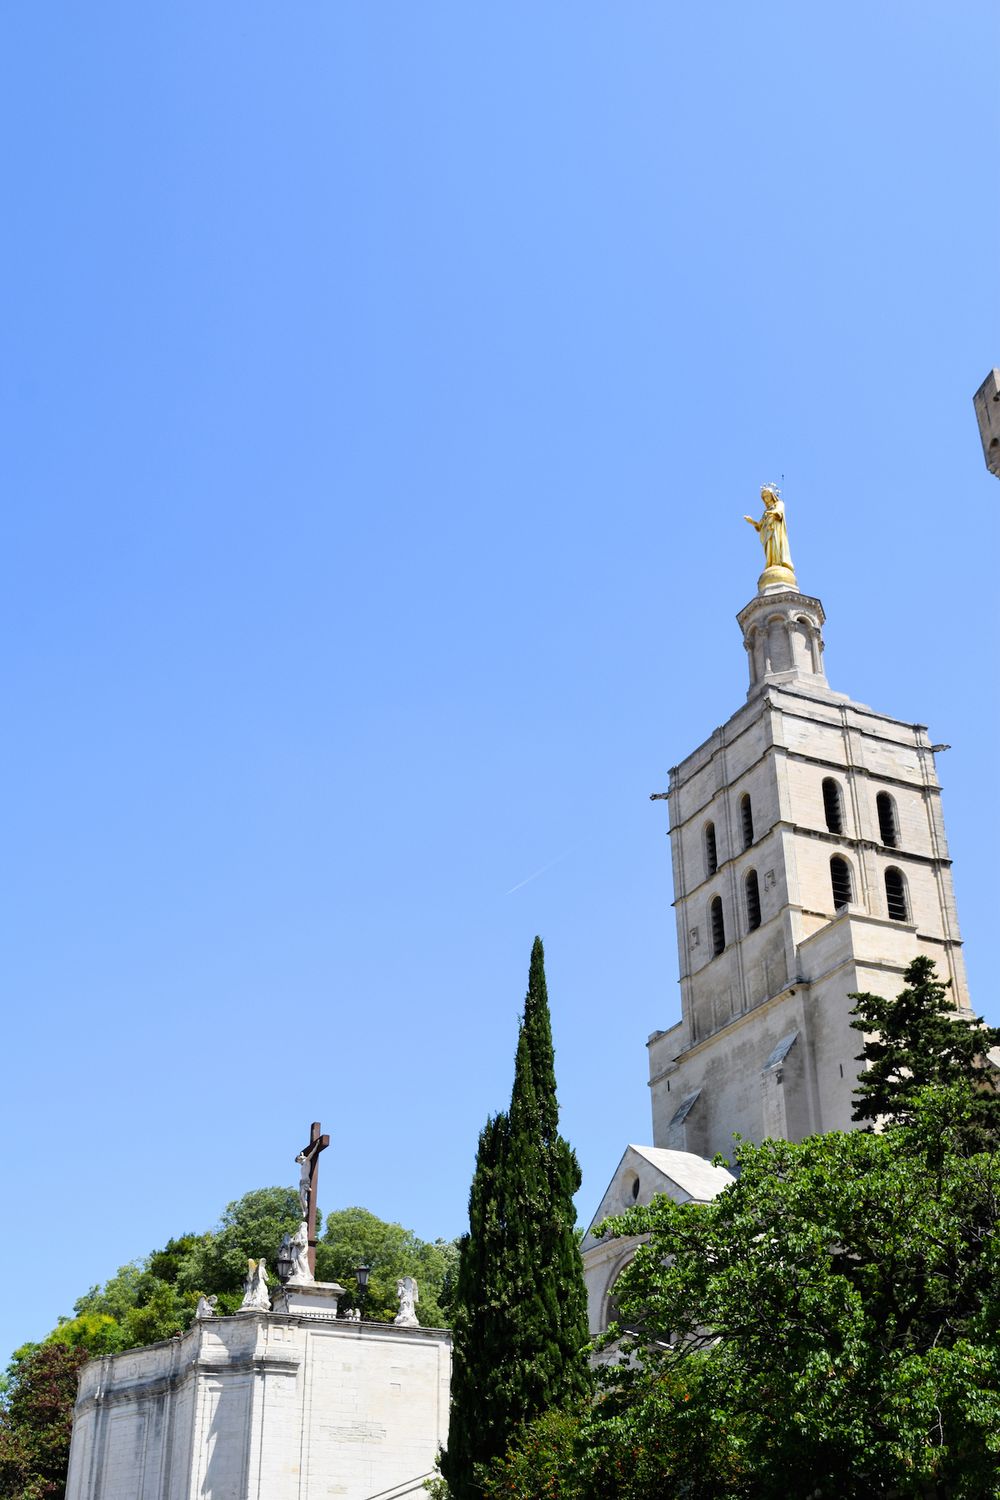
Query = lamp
x=361 y=1272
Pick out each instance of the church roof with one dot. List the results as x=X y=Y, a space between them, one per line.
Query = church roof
x=682 y=1175
x=694 y=1174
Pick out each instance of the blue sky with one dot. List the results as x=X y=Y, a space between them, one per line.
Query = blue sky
x=383 y=388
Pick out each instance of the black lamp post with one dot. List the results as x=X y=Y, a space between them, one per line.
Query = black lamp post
x=361 y=1272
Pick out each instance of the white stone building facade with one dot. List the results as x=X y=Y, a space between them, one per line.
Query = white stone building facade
x=264 y=1406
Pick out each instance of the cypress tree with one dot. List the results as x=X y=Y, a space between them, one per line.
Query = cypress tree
x=520 y=1326
x=916 y=1040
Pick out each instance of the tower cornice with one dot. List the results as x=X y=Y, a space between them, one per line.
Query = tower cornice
x=780 y=599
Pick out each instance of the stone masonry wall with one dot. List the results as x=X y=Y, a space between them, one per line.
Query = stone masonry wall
x=264 y=1407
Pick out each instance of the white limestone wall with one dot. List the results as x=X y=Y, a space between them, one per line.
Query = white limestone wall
x=728 y=1074
x=812 y=1087
x=264 y=1407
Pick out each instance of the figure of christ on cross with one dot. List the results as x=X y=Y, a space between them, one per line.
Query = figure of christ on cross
x=308 y=1160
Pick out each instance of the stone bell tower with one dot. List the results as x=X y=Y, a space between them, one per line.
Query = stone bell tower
x=809 y=861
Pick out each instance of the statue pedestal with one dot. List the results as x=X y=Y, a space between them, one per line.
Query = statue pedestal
x=311 y=1299
x=776 y=578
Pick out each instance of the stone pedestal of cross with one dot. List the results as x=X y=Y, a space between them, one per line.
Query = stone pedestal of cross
x=308 y=1160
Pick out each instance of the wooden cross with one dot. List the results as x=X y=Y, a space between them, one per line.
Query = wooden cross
x=308 y=1160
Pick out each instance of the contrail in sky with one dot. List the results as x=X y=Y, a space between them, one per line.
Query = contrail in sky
x=529 y=878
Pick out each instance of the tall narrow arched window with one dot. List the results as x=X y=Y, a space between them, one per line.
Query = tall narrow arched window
x=746 y=819
x=895 y=895
x=840 y=881
x=752 y=892
x=718 y=926
x=711 y=850
x=612 y=1312
x=833 y=806
x=888 y=826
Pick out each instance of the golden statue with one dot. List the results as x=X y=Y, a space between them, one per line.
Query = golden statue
x=773 y=533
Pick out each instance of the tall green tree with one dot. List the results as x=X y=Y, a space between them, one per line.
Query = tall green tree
x=828 y=1326
x=916 y=1040
x=520 y=1327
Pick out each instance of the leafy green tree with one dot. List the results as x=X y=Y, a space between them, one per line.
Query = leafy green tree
x=520 y=1330
x=916 y=1040
x=145 y=1301
x=36 y=1422
x=354 y=1237
x=542 y=1459
x=251 y=1227
x=833 y=1315
x=96 y=1332
x=643 y=1440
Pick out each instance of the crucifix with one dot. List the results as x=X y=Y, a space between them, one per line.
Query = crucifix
x=308 y=1160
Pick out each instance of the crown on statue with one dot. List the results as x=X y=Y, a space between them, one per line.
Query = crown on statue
x=774 y=489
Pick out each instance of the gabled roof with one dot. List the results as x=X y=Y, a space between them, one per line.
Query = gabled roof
x=682 y=1175
x=695 y=1175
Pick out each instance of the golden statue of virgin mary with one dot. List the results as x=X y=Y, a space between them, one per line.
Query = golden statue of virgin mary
x=773 y=533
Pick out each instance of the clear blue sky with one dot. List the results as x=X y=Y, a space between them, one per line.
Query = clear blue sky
x=383 y=385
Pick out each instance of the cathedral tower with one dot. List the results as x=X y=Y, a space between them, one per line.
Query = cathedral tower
x=809 y=860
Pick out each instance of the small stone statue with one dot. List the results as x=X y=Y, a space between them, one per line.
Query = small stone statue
x=206 y=1307
x=298 y=1246
x=304 y=1188
x=255 y=1294
x=406 y=1291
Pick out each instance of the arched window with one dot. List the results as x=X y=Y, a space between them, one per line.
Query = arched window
x=840 y=881
x=833 y=806
x=895 y=895
x=718 y=926
x=887 y=825
x=612 y=1312
x=752 y=892
x=746 y=819
x=711 y=852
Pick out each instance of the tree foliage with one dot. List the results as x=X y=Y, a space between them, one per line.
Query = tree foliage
x=520 y=1330
x=251 y=1226
x=830 y=1321
x=354 y=1237
x=916 y=1040
x=36 y=1422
